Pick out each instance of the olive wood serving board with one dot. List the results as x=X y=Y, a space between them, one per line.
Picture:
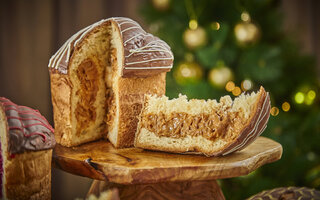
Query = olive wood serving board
x=100 y=160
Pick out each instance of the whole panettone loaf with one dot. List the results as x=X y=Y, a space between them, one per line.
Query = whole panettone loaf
x=288 y=193
x=26 y=149
x=198 y=126
x=99 y=78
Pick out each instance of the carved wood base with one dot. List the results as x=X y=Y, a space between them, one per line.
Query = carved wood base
x=170 y=190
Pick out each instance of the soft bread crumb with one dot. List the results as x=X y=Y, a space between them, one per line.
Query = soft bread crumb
x=94 y=48
x=243 y=103
x=178 y=145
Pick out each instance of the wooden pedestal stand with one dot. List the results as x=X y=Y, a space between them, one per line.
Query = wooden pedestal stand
x=142 y=174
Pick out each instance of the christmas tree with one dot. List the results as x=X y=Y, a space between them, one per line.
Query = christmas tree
x=229 y=47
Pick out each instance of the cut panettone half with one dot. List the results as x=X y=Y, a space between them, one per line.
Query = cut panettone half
x=198 y=126
x=99 y=78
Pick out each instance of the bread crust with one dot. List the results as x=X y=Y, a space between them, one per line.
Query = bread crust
x=61 y=88
x=132 y=91
x=28 y=176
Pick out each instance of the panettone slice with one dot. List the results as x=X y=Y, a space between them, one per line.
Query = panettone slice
x=198 y=126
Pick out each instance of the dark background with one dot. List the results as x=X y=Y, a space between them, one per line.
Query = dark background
x=31 y=31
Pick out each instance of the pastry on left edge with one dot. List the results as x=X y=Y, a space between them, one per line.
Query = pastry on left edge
x=27 y=141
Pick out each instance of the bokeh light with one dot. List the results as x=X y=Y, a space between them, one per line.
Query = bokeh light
x=194 y=38
x=246 y=33
x=236 y=91
x=230 y=86
x=245 y=16
x=299 y=97
x=219 y=76
x=286 y=106
x=193 y=24
x=161 y=4
x=309 y=97
x=311 y=94
x=274 y=111
x=246 y=84
x=215 y=26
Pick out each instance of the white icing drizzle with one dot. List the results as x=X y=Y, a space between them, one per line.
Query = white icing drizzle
x=253 y=132
x=153 y=47
x=156 y=45
x=158 y=67
x=145 y=61
x=132 y=27
x=128 y=22
x=125 y=42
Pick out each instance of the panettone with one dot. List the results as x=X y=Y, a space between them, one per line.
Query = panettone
x=26 y=149
x=99 y=78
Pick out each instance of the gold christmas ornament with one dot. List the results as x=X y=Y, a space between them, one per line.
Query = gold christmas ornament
x=219 y=76
x=194 y=38
x=161 y=4
x=246 y=33
x=189 y=57
x=245 y=17
x=188 y=72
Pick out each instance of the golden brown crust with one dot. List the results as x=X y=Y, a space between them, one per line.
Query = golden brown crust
x=61 y=88
x=132 y=91
x=4 y=137
x=28 y=176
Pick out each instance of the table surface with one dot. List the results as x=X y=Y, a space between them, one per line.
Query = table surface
x=100 y=160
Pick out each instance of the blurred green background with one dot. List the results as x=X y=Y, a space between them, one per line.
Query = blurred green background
x=229 y=47
x=276 y=44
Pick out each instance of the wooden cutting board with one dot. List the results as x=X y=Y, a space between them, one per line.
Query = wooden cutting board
x=100 y=160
